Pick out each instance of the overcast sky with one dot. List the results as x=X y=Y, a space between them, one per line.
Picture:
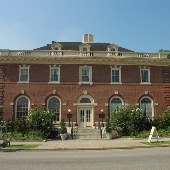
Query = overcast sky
x=139 y=25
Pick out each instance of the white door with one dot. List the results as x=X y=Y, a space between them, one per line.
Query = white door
x=85 y=117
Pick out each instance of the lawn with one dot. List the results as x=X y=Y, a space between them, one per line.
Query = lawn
x=159 y=143
x=32 y=146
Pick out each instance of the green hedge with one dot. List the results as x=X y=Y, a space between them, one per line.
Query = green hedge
x=38 y=123
x=129 y=120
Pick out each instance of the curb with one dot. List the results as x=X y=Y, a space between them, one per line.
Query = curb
x=71 y=149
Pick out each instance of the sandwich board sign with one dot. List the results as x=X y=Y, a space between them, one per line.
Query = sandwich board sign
x=153 y=134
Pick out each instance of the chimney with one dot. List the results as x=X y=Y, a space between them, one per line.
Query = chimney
x=88 y=38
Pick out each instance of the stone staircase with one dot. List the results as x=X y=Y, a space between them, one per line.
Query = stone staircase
x=88 y=133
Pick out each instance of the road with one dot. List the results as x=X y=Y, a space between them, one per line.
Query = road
x=118 y=159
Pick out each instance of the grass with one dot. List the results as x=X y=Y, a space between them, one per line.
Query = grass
x=159 y=143
x=32 y=146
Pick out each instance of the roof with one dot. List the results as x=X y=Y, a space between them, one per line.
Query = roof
x=75 y=46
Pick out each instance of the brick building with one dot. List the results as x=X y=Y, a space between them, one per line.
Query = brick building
x=84 y=77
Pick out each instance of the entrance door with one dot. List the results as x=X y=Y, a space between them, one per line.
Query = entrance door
x=85 y=117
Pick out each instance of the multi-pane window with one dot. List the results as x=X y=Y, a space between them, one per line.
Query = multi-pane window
x=54 y=74
x=145 y=75
x=146 y=106
x=116 y=75
x=115 y=103
x=85 y=74
x=24 y=74
x=85 y=100
x=53 y=105
x=22 y=107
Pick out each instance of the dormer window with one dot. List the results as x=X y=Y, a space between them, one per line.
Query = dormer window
x=112 y=50
x=56 y=47
x=85 y=50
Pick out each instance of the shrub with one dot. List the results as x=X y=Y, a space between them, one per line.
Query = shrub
x=63 y=129
x=41 y=120
x=21 y=125
x=108 y=126
x=130 y=120
x=166 y=117
x=37 y=125
x=168 y=56
x=163 y=121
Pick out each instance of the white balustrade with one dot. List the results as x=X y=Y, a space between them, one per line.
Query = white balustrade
x=69 y=53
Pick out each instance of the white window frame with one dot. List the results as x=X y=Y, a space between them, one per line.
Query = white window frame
x=51 y=68
x=59 y=106
x=28 y=70
x=152 y=114
x=145 y=69
x=90 y=75
x=16 y=102
x=115 y=97
x=120 y=81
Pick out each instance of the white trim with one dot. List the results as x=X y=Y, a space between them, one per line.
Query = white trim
x=114 y=97
x=90 y=75
x=119 y=69
x=152 y=104
x=54 y=96
x=28 y=70
x=58 y=71
x=143 y=69
x=16 y=101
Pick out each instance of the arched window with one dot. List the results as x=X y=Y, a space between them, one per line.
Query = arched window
x=21 y=107
x=85 y=100
x=53 y=105
x=115 y=102
x=146 y=106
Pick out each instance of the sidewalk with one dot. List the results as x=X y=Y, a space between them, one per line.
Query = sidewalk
x=121 y=143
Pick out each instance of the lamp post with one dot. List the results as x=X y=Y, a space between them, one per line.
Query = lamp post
x=69 y=116
x=102 y=116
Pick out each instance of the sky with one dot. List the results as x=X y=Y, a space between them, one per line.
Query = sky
x=138 y=25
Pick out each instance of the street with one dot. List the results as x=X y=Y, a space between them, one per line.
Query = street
x=129 y=159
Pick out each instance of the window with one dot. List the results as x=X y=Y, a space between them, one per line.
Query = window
x=115 y=75
x=146 y=106
x=21 y=107
x=85 y=74
x=85 y=100
x=53 y=105
x=24 y=74
x=115 y=103
x=54 y=74
x=145 y=75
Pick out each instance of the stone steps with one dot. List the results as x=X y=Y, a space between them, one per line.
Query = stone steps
x=88 y=134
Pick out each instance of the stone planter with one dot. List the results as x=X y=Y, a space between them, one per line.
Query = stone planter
x=63 y=136
x=109 y=136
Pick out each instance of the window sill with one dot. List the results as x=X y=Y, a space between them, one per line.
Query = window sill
x=90 y=83
x=145 y=83
x=54 y=82
x=115 y=83
x=23 y=82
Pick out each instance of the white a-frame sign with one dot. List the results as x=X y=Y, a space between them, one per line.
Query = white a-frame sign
x=153 y=134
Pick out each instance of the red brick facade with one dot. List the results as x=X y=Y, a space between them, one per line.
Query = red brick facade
x=38 y=90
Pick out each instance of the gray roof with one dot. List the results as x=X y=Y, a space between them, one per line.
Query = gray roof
x=75 y=46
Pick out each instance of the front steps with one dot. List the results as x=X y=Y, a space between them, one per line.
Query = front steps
x=88 y=133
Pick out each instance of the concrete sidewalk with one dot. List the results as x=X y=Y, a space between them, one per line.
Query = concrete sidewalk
x=121 y=143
